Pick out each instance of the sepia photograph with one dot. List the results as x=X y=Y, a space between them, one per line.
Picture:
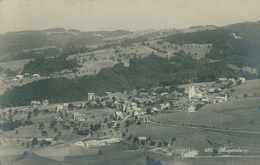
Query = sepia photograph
x=129 y=82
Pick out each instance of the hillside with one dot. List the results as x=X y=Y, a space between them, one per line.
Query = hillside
x=142 y=72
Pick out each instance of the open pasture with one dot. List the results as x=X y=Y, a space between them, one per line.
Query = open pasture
x=218 y=115
x=14 y=65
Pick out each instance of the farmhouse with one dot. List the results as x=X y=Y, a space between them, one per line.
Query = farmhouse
x=36 y=75
x=211 y=90
x=232 y=80
x=45 y=102
x=191 y=108
x=242 y=79
x=35 y=103
x=91 y=96
x=119 y=115
x=223 y=80
x=59 y=107
x=79 y=117
x=142 y=139
x=219 y=99
x=19 y=76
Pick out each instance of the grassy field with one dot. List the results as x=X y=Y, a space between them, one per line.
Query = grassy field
x=14 y=65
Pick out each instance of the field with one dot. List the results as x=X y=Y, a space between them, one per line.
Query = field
x=14 y=65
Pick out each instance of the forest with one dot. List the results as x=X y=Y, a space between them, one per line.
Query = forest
x=45 y=67
x=145 y=72
x=240 y=52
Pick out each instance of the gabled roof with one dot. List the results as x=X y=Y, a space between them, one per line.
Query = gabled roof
x=211 y=90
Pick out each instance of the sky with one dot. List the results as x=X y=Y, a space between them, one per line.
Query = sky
x=133 y=15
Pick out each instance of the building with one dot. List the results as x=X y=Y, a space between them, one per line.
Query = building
x=36 y=75
x=219 y=99
x=242 y=79
x=142 y=139
x=19 y=76
x=223 y=80
x=79 y=117
x=232 y=80
x=191 y=91
x=65 y=105
x=59 y=108
x=119 y=115
x=211 y=90
x=45 y=102
x=91 y=96
x=35 y=103
x=26 y=74
x=83 y=104
x=191 y=108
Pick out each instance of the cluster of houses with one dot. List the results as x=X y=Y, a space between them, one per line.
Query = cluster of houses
x=19 y=76
x=37 y=103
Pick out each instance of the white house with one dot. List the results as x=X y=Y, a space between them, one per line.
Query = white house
x=45 y=102
x=36 y=75
x=35 y=103
x=119 y=115
x=19 y=76
x=91 y=96
x=222 y=80
x=242 y=79
x=191 y=108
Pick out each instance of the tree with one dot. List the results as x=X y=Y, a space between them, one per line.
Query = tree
x=4 y=113
x=41 y=126
x=105 y=120
x=165 y=143
x=160 y=144
x=44 y=133
x=28 y=145
x=52 y=124
x=123 y=135
x=34 y=141
x=148 y=110
x=22 y=144
x=59 y=133
x=16 y=132
x=152 y=143
x=55 y=130
x=70 y=106
x=36 y=112
x=10 y=111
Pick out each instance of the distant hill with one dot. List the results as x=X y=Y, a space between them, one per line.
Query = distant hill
x=14 y=42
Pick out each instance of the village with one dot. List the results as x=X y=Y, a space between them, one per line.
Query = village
x=119 y=111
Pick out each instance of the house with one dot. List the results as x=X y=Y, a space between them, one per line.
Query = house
x=242 y=79
x=205 y=100
x=45 y=102
x=145 y=90
x=26 y=74
x=164 y=94
x=59 y=108
x=232 y=80
x=219 y=99
x=119 y=115
x=19 y=76
x=14 y=79
x=79 y=117
x=211 y=90
x=223 y=80
x=198 y=93
x=65 y=105
x=165 y=106
x=91 y=96
x=36 y=75
x=191 y=108
x=58 y=120
x=50 y=141
x=83 y=104
x=35 y=103
x=142 y=139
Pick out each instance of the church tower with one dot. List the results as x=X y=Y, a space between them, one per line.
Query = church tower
x=191 y=90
